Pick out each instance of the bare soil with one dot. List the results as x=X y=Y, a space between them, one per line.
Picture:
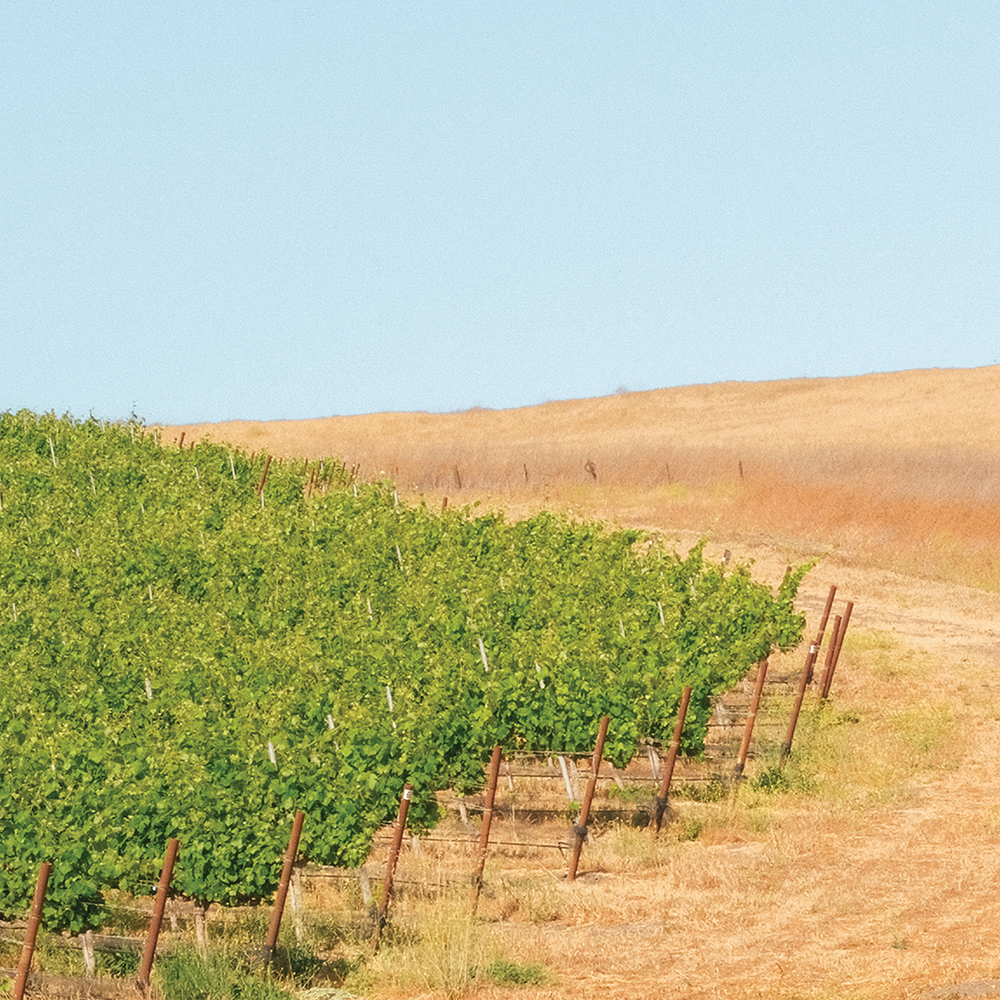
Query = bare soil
x=881 y=901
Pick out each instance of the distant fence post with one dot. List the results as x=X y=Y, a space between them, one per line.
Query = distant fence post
x=263 y=479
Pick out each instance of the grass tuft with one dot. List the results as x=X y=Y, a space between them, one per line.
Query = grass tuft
x=506 y=973
x=442 y=954
x=185 y=975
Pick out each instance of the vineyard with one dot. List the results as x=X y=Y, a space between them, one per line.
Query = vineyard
x=199 y=643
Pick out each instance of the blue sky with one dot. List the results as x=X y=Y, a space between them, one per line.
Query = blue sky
x=281 y=210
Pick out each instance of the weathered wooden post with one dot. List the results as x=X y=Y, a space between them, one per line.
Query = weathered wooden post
x=153 y=934
x=279 y=900
x=31 y=934
x=484 y=833
x=741 y=759
x=382 y=914
x=662 y=797
x=581 y=824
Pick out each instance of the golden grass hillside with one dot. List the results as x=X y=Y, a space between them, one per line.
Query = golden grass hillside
x=898 y=470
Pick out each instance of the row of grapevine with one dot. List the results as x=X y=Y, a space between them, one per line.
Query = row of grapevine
x=190 y=656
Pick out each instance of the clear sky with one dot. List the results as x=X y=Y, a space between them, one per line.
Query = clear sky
x=294 y=209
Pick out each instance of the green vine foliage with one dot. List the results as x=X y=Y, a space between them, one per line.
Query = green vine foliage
x=184 y=658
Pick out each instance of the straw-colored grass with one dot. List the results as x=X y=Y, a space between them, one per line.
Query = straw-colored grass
x=899 y=470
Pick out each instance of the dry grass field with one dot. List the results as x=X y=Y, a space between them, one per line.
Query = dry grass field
x=898 y=470
x=875 y=871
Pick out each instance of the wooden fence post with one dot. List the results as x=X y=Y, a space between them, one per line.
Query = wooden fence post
x=31 y=934
x=815 y=647
x=153 y=934
x=741 y=760
x=660 y=803
x=484 y=833
x=382 y=913
x=581 y=824
x=828 y=673
x=279 y=900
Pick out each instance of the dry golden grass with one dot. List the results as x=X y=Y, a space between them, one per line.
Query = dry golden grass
x=917 y=415
x=899 y=470
x=874 y=874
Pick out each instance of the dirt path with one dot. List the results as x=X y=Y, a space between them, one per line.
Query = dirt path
x=891 y=900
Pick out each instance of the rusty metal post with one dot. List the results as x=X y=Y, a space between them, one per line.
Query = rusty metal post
x=153 y=934
x=828 y=673
x=484 y=833
x=382 y=914
x=660 y=803
x=31 y=934
x=817 y=644
x=581 y=824
x=741 y=760
x=279 y=900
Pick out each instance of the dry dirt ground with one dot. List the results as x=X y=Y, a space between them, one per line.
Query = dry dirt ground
x=887 y=900
x=889 y=887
